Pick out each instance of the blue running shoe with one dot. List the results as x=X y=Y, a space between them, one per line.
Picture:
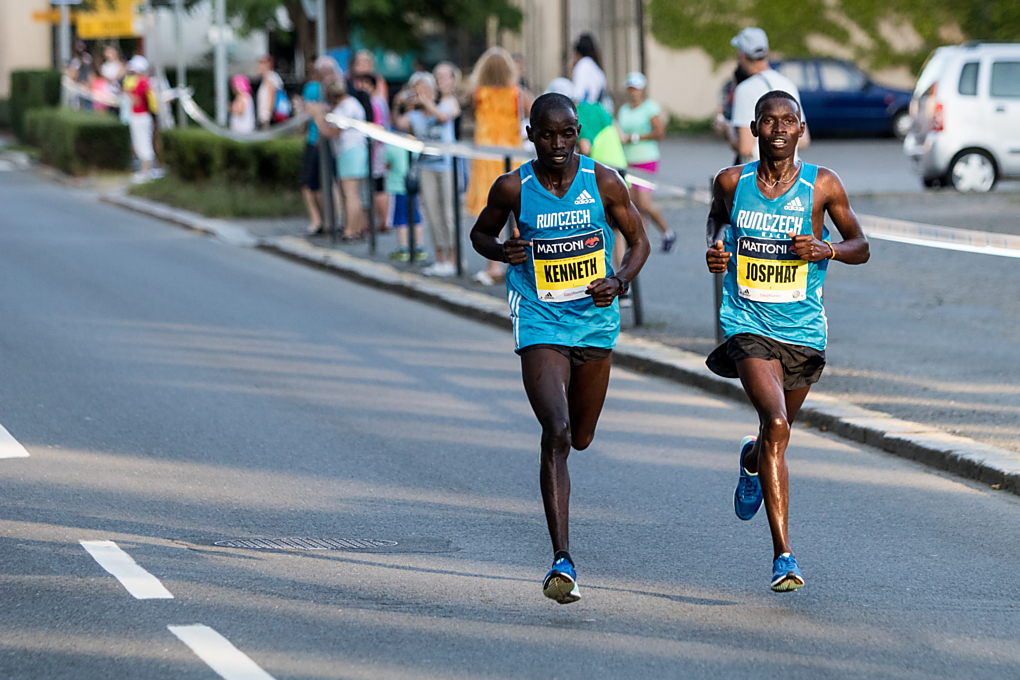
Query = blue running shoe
x=561 y=582
x=786 y=576
x=747 y=497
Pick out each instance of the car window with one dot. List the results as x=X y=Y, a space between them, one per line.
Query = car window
x=969 y=78
x=838 y=78
x=794 y=70
x=1005 y=79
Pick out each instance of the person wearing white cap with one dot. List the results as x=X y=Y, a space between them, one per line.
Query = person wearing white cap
x=136 y=86
x=752 y=52
x=642 y=126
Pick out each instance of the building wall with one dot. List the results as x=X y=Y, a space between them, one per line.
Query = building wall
x=24 y=43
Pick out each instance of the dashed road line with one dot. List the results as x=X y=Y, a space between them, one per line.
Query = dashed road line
x=228 y=661
x=136 y=580
x=9 y=446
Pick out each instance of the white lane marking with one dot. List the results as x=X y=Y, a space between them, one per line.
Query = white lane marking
x=9 y=446
x=228 y=661
x=136 y=580
x=960 y=247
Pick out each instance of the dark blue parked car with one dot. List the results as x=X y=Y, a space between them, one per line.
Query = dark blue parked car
x=841 y=99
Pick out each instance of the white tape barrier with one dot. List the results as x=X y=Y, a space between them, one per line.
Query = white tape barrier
x=900 y=231
x=200 y=117
x=946 y=238
x=167 y=95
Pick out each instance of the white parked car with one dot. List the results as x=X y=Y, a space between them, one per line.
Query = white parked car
x=966 y=112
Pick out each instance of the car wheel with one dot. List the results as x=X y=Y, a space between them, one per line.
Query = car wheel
x=901 y=124
x=973 y=171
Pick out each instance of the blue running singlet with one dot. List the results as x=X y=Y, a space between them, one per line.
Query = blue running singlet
x=571 y=246
x=767 y=289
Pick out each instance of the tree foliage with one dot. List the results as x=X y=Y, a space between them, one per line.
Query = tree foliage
x=389 y=24
x=854 y=25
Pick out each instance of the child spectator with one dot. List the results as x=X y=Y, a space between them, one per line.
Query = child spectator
x=242 y=110
x=397 y=217
x=136 y=86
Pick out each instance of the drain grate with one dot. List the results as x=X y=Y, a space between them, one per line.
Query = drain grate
x=301 y=543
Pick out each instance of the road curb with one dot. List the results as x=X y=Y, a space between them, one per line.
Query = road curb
x=997 y=467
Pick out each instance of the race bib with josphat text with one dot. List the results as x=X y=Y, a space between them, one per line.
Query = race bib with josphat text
x=769 y=270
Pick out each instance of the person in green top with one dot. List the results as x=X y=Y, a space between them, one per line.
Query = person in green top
x=398 y=211
x=597 y=138
x=642 y=125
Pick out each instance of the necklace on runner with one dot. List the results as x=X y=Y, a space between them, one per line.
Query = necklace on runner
x=777 y=182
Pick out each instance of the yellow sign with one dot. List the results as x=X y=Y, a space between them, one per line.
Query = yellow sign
x=52 y=16
x=104 y=22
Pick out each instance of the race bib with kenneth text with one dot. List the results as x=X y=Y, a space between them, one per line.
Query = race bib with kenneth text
x=565 y=266
x=769 y=270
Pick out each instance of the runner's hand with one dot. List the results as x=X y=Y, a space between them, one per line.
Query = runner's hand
x=717 y=258
x=809 y=248
x=514 y=249
x=604 y=291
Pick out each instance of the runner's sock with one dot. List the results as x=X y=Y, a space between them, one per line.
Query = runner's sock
x=564 y=555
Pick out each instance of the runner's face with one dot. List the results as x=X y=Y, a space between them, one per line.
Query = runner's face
x=555 y=137
x=778 y=129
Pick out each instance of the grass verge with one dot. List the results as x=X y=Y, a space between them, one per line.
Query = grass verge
x=222 y=199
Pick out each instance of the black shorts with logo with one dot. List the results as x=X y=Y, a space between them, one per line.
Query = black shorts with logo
x=576 y=355
x=802 y=366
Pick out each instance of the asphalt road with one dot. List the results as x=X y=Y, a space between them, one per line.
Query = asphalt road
x=173 y=392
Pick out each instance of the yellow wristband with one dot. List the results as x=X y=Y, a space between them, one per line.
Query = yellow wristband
x=833 y=250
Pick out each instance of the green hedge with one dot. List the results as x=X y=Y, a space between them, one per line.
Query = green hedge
x=77 y=141
x=5 y=114
x=196 y=155
x=203 y=84
x=30 y=90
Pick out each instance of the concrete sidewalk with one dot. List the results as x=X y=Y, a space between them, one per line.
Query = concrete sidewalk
x=923 y=443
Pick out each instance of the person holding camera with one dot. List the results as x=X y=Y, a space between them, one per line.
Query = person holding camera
x=420 y=114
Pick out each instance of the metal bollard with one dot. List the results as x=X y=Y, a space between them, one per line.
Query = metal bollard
x=635 y=298
x=369 y=184
x=456 y=218
x=326 y=187
x=411 y=183
x=513 y=218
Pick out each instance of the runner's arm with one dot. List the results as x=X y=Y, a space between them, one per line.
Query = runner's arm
x=854 y=248
x=723 y=186
x=503 y=195
x=623 y=214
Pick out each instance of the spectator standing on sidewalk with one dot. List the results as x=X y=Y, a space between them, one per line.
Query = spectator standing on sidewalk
x=377 y=162
x=642 y=125
x=113 y=68
x=753 y=54
x=271 y=100
x=431 y=122
x=498 y=110
x=326 y=71
x=136 y=86
x=587 y=75
x=242 y=109
x=399 y=209
x=351 y=152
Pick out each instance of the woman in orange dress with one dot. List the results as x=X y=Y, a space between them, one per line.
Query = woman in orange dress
x=498 y=110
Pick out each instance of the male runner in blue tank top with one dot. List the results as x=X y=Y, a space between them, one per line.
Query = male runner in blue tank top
x=771 y=214
x=562 y=291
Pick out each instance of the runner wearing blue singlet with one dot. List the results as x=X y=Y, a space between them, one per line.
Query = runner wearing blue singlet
x=771 y=215
x=562 y=292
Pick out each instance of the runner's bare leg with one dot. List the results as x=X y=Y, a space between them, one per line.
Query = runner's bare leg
x=763 y=381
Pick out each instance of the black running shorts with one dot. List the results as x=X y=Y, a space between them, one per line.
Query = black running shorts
x=802 y=366
x=576 y=355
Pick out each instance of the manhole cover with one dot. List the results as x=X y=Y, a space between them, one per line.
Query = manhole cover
x=293 y=543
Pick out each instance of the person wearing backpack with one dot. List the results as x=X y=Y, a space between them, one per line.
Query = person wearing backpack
x=272 y=103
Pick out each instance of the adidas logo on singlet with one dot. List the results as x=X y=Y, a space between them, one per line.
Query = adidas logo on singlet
x=584 y=198
x=795 y=204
